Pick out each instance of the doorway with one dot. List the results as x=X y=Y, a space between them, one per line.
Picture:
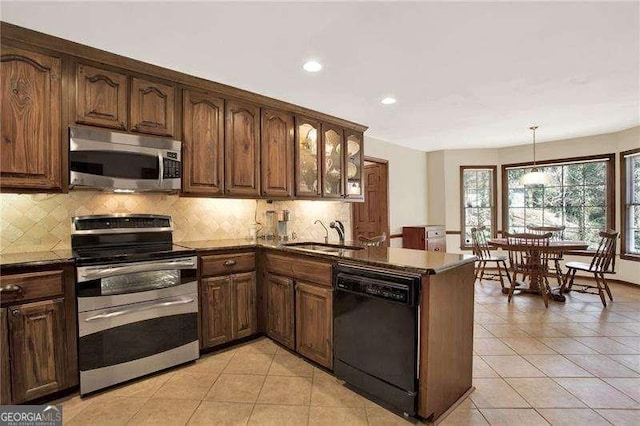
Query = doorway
x=371 y=218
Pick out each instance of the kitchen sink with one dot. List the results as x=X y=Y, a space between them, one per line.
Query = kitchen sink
x=325 y=248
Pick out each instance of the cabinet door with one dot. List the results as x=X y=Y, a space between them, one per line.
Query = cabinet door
x=216 y=311
x=30 y=108
x=307 y=158
x=354 y=160
x=37 y=342
x=276 y=141
x=332 y=161
x=5 y=375
x=101 y=97
x=242 y=149
x=244 y=315
x=314 y=323
x=202 y=143
x=280 y=305
x=152 y=107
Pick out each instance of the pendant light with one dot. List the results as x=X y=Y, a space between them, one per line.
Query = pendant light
x=535 y=176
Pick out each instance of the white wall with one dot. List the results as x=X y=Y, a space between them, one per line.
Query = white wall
x=450 y=162
x=407 y=184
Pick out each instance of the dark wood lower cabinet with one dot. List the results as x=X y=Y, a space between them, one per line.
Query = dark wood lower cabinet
x=244 y=321
x=314 y=323
x=5 y=373
x=216 y=311
x=36 y=333
x=280 y=307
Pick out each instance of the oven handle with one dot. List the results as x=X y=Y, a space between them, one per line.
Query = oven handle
x=144 y=307
x=92 y=273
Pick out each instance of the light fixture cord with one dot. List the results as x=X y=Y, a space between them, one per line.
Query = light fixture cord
x=534 y=144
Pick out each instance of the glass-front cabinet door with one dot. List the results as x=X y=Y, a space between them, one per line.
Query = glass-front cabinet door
x=332 y=161
x=354 y=164
x=307 y=169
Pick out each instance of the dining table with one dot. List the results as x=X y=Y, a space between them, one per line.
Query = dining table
x=555 y=247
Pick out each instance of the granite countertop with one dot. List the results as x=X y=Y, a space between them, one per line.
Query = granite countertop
x=414 y=261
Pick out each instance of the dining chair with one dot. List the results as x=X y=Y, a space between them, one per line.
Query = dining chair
x=527 y=256
x=376 y=241
x=603 y=262
x=482 y=252
x=556 y=257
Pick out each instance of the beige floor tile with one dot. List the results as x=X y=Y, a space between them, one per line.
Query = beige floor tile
x=528 y=346
x=614 y=330
x=249 y=363
x=557 y=366
x=221 y=414
x=621 y=417
x=629 y=361
x=236 y=388
x=491 y=346
x=505 y=330
x=602 y=366
x=596 y=393
x=576 y=330
x=329 y=392
x=286 y=364
x=542 y=330
x=163 y=411
x=145 y=387
x=573 y=417
x=183 y=385
x=332 y=416
x=378 y=415
x=629 y=386
x=567 y=345
x=284 y=390
x=605 y=345
x=279 y=415
x=496 y=393
x=480 y=331
x=209 y=364
x=482 y=369
x=632 y=342
x=484 y=318
x=115 y=410
x=511 y=417
x=262 y=345
x=512 y=366
x=464 y=417
x=543 y=392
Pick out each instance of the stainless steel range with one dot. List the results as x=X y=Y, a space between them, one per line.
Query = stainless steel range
x=137 y=298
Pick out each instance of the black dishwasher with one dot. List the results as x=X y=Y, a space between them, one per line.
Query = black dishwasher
x=376 y=333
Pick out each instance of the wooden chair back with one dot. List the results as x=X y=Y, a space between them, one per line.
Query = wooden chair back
x=604 y=259
x=376 y=241
x=556 y=231
x=526 y=252
x=480 y=244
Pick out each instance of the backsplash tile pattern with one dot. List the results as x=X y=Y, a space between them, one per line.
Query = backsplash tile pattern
x=41 y=222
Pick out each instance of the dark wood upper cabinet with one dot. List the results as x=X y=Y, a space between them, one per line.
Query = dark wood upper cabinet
x=332 y=161
x=280 y=309
x=31 y=115
x=242 y=149
x=215 y=312
x=152 y=107
x=354 y=164
x=36 y=333
x=202 y=143
x=307 y=158
x=277 y=153
x=101 y=97
x=244 y=319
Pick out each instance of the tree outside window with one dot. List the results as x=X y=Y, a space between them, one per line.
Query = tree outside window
x=478 y=200
x=630 y=198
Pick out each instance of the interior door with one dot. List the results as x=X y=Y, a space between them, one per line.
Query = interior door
x=371 y=218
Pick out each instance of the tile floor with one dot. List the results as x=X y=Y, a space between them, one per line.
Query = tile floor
x=571 y=364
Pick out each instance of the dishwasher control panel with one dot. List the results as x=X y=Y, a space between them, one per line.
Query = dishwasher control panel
x=400 y=289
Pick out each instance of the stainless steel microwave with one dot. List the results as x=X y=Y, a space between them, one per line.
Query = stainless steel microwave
x=123 y=162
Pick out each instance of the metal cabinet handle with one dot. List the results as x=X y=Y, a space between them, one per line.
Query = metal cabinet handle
x=229 y=262
x=16 y=312
x=10 y=288
x=160 y=168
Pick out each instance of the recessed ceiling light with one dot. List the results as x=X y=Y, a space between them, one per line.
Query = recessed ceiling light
x=312 y=66
x=388 y=101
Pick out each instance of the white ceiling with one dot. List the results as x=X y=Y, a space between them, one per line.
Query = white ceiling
x=466 y=75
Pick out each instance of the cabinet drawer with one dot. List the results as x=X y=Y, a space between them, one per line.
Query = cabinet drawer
x=437 y=233
x=437 y=244
x=222 y=264
x=278 y=264
x=309 y=270
x=35 y=285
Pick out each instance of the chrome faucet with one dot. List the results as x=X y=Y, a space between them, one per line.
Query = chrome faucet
x=326 y=231
x=339 y=227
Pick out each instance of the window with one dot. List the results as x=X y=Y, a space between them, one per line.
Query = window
x=630 y=198
x=579 y=196
x=478 y=200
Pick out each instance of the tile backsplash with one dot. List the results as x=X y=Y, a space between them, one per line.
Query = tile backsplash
x=40 y=222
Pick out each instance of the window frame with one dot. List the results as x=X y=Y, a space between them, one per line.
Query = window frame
x=624 y=254
x=610 y=183
x=494 y=202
